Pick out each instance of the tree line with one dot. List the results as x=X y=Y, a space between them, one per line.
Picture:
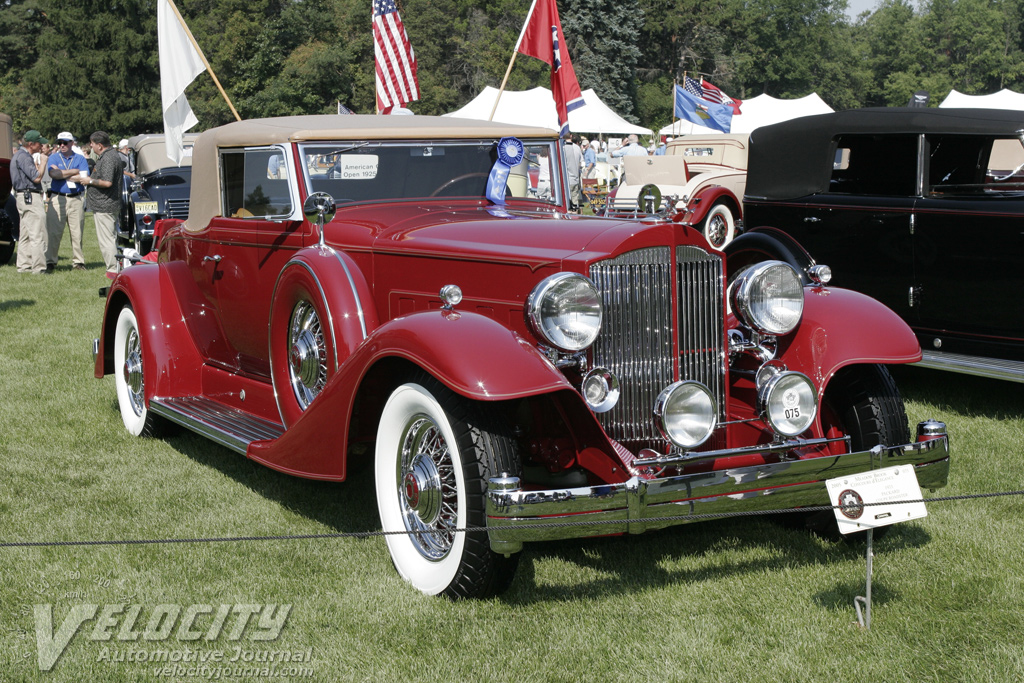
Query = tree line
x=83 y=65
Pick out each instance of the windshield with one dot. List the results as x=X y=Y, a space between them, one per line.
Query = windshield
x=374 y=171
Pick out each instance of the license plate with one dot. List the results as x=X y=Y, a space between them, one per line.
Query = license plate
x=145 y=207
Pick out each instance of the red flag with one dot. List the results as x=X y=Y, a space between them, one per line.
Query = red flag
x=712 y=93
x=395 y=60
x=542 y=38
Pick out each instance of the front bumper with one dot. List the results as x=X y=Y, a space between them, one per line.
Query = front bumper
x=515 y=515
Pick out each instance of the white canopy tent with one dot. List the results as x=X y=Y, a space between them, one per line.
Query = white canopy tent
x=536 y=107
x=762 y=110
x=1004 y=99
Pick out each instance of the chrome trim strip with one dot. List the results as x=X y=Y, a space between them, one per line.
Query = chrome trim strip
x=515 y=515
x=355 y=294
x=996 y=368
x=221 y=424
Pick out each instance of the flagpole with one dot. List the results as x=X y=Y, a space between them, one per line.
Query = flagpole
x=515 y=51
x=199 y=50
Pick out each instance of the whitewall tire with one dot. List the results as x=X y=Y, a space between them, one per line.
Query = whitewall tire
x=434 y=453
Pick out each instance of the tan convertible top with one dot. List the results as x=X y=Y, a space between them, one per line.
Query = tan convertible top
x=150 y=154
x=205 y=193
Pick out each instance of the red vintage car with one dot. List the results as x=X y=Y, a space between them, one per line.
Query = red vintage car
x=386 y=288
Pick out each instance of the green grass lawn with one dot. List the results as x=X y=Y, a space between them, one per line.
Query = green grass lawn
x=735 y=600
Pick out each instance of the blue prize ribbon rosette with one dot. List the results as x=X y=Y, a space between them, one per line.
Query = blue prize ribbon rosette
x=510 y=153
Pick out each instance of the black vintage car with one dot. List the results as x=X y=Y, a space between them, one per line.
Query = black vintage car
x=160 y=189
x=919 y=208
x=8 y=209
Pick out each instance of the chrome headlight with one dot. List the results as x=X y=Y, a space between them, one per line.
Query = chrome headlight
x=685 y=413
x=565 y=310
x=769 y=297
x=788 y=403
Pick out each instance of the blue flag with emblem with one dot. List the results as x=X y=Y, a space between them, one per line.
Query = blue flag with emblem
x=702 y=112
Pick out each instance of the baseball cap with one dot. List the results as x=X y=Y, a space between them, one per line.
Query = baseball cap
x=34 y=136
x=65 y=136
x=123 y=143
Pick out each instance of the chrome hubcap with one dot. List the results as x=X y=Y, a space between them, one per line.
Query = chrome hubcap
x=428 y=493
x=307 y=354
x=132 y=371
x=716 y=231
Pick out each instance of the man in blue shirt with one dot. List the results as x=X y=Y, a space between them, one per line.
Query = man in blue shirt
x=67 y=201
x=589 y=160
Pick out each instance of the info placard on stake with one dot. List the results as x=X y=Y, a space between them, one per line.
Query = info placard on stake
x=869 y=500
x=876 y=488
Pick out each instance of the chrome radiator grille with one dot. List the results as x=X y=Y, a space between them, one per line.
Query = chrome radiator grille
x=636 y=340
x=177 y=208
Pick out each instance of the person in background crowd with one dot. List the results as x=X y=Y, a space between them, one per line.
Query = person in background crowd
x=660 y=151
x=544 y=174
x=104 y=187
x=589 y=159
x=124 y=151
x=630 y=147
x=26 y=178
x=44 y=154
x=67 y=202
x=573 y=166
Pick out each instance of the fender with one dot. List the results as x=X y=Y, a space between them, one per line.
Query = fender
x=700 y=204
x=347 y=295
x=329 y=281
x=473 y=355
x=162 y=324
x=764 y=244
x=841 y=327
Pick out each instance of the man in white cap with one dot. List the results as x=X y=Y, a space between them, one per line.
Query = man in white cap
x=67 y=201
x=124 y=151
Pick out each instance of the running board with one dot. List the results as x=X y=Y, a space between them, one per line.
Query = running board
x=219 y=423
x=1010 y=370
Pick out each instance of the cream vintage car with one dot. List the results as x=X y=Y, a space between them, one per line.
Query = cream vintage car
x=706 y=174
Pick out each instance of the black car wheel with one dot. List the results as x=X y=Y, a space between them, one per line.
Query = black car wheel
x=861 y=402
x=8 y=230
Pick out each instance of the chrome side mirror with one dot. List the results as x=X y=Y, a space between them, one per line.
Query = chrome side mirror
x=319 y=208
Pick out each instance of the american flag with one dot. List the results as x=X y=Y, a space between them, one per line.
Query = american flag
x=396 y=62
x=712 y=93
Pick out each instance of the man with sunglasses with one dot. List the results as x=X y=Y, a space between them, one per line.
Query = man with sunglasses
x=67 y=201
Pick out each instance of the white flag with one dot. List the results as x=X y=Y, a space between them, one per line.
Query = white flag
x=180 y=63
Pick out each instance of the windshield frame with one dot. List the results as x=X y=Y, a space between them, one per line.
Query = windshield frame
x=308 y=150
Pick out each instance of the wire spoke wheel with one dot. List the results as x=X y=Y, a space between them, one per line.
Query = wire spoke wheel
x=434 y=453
x=428 y=490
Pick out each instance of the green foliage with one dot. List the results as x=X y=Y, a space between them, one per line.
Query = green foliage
x=84 y=65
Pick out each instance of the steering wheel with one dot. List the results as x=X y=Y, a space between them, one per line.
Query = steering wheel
x=457 y=179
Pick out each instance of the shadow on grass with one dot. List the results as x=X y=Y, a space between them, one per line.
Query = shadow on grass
x=691 y=554
x=960 y=394
x=346 y=507
x=15 y=303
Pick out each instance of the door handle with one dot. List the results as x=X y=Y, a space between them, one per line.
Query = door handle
x=215 y=258
x=811 y=219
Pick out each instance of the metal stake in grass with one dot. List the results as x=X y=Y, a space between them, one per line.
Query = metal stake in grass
x=865 y=619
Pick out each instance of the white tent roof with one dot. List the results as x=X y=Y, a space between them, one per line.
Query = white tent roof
x=762 y=110
x=537 y=108
x=1004 y=99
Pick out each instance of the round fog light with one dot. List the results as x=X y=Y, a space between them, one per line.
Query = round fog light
x=601 y=390
x=686 y=414
x=788 y=403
